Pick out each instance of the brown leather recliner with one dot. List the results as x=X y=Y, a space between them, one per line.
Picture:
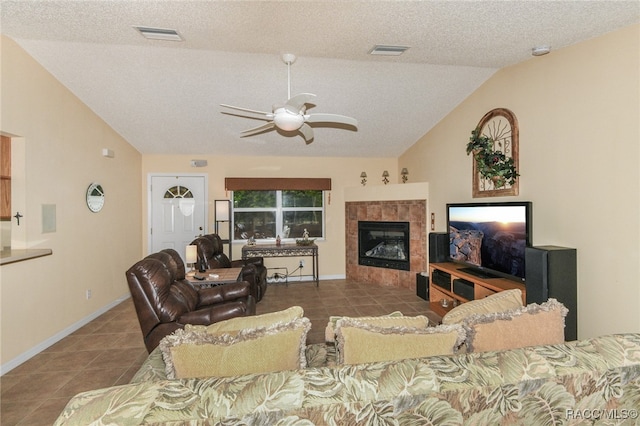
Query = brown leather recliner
x=211 y=255
x=165 y=301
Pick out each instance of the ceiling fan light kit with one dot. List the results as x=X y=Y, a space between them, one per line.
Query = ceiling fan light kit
x=287 y=120
x=292 y=116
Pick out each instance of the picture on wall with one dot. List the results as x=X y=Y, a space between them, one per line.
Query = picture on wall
x=494 y=147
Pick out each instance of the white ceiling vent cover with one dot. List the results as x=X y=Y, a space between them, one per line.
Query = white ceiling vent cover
x=388 y=50
x=159 y=33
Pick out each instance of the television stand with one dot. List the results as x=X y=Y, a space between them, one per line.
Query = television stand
x=452 y=281
x=477 y=273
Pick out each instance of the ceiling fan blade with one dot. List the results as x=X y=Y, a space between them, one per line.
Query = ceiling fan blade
x=331 y=118
x=299 y=100
x=307 y=133
x=269 y=115
x=259 y=129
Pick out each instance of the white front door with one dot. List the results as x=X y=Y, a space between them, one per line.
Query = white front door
x=178 y=211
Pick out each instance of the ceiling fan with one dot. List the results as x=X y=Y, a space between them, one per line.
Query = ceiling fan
x=292 y=116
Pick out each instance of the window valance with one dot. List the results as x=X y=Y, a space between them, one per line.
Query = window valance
x=274 y=184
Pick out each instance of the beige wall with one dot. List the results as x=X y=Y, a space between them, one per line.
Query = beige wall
x=579 y=111
x=344 y=173
x=63 y=139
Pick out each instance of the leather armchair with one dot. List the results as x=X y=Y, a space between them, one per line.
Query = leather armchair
x=165 y=301
x=211 y=255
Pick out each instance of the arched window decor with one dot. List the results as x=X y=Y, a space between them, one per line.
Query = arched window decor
x=183 y=196
x=494 y=146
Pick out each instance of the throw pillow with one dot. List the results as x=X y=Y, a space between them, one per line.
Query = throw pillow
x=360 y=342
x=330 y=334
x=498 y=302
x=531 y=325
x=235 y=325
x=259 y=350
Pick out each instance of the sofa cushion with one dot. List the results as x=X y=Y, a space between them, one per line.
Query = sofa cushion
x=498 y=302
x=527 y=326
x=330 y=330
x=362 y=342
x=235 y=325
x=198 y=353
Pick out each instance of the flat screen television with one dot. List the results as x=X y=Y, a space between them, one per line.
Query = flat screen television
x=490 y=238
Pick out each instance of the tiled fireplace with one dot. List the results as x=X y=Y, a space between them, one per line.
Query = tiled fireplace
x=411 y=211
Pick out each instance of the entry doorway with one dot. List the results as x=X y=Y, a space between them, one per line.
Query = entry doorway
x=177 y=211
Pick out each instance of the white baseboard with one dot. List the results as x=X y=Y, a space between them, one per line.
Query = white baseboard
x=297 y=278
x=25 y=356
x=333 y=277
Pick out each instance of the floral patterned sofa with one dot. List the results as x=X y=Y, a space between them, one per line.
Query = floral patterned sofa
x=565 y=383
x=492 y=361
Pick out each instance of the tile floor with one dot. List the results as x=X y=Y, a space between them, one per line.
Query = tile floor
x=109 y=350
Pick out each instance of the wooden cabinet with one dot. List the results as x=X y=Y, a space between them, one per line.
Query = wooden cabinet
x=5 y=178
x=449 y=281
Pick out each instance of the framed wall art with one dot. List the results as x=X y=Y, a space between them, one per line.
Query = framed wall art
x=494 y=147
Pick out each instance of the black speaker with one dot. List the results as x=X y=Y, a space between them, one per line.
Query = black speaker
x=551 y=272
x=463 y=288
x=438 y=247
x=422 y=286
x=441 y=279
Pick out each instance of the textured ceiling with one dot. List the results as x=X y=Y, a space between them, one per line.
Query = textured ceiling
x=163 y=97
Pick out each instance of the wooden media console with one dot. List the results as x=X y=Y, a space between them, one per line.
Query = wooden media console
x=449 y=281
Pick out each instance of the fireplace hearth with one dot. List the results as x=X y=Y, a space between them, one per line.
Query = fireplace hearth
x=384 y=244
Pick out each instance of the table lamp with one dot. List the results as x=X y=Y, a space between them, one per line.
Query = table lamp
x=192 y=258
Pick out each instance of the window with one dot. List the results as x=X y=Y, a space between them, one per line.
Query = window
x=184 y=196
x=284 y=213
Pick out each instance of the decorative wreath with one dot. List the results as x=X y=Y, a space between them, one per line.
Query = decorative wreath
x=492 y=165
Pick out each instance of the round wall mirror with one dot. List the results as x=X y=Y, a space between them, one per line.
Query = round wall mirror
x=95 y=197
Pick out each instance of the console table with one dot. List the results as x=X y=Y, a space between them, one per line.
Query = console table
x=284 y=250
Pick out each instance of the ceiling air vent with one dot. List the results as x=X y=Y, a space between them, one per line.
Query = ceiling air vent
x=159 y=33
x=387 y=50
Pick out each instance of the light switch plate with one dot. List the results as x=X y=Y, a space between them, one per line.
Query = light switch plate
x=48 y=218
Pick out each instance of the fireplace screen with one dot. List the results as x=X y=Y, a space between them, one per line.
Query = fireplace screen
x=384 y=244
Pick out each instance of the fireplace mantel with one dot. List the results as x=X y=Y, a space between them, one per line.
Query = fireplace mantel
x=391 y=192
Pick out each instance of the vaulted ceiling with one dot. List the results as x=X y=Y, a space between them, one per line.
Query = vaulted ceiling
x=164 y=97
